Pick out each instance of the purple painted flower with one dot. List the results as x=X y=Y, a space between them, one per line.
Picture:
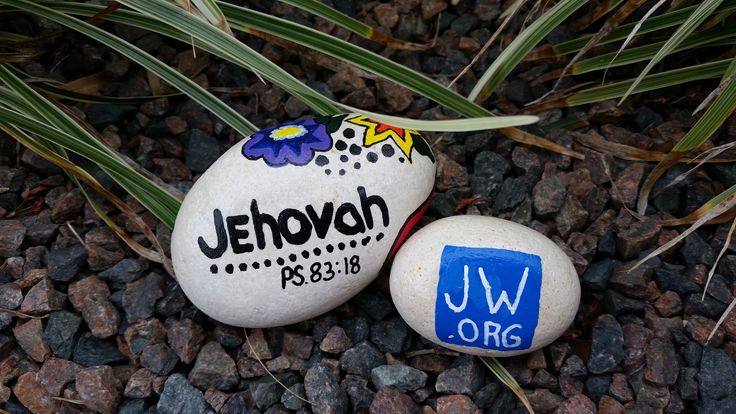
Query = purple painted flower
x=294 y=143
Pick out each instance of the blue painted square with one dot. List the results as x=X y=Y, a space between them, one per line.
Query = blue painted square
x=488 y=298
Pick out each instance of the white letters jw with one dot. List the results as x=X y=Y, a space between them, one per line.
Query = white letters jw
x=504 y=313
x=502 y=298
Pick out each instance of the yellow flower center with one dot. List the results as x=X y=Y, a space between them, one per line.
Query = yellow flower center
x=288 y=132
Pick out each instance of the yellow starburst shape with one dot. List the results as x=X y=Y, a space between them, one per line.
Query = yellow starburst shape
x=376 y=132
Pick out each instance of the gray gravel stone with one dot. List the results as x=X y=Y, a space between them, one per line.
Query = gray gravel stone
x=180 y=397
x=361 y=359
x=465 y=376
x=324 y=391
x=126 y=270
x=61 y=332
x=607 y=349
x=400 y=377
x=717 y=375
x=66 y=263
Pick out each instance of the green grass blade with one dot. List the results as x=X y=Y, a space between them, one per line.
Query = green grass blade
x=213 y=14
x=168 y=74
x=122 y=173
x=450 y=125
x=720 y=36
x=653 y=24
x=240 y=17
x=710 y=210
x=480 y=117
x=369 y=61
x=721 y=108
x=683 y=31
x=674 y=77
x=522 y=44
x=326 y=12
x=234 y=50
x=23 y=100
x=49 y=112
x=507 y=379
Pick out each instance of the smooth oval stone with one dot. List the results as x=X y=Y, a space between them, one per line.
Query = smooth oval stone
x=484 y=286
x=298 y=218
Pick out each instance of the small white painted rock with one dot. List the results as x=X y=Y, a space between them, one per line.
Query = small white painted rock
x=298 y=218
x=484 y=286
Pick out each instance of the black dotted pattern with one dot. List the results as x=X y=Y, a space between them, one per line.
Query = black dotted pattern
x=349 y=152
x=280 y=261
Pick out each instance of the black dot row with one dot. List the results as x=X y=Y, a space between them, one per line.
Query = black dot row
x=230 y=268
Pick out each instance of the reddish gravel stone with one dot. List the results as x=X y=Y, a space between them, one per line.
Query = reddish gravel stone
x=9 y=367
x=214 y=368
x=386 y=15
x=30 y=337
x=699 y=329
x=32 y=277
x=431 y=8
x=42 y=299
x=123 y=373
x=143 y=333
x=67 y=206
x=5 y=394
x=570 y=385
x=468 y=45
x=176 y=125
x=336 y=341
x=90 y=296
x=536 y=360
x=608 y=405
x=172 y=170
x=250 y=368
x=543 y=400
x=294 y=344
x=559 y=352
x=395 y=97
x=619 y=387
x=14 y=265
x=346 y=79
x=10 y=295
x=216 y=398
x=626 y=188
x=140 y=384
x=572 y=217
x=450 y=174
x=12 y=233
x=430 y=363
x=668 y=304
x=456 y=404
x=103 y=248
x=577 y=404
x=548 y=196
x=632 y=283
x=662 y=364
x=583 y=244
x=34 y=396
x=185 y=337
x=636 y=338
x=56 y=373
x=544 y=379
x=638 y=237
x=389 y=401
x=97 y=387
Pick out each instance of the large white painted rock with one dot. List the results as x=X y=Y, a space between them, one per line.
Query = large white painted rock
x=484 y=286
x=298 y=218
